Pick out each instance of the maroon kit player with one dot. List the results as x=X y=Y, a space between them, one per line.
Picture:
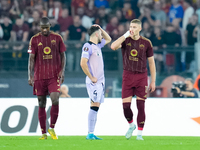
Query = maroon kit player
x=46 y=72
x=136 y=50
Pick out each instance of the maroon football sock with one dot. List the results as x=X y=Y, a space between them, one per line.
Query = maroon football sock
x=42 y=119
x=54 y=115
x=128 y=112
x=141 y=114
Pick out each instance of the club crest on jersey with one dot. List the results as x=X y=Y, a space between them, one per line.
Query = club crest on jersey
x=86 y=49
x=141 y=46
x=40 y=44
x=53 y=42
x=47 y=50
x=134 y=52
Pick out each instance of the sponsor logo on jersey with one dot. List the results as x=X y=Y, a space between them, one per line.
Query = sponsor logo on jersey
x=53 y=42
x=40 y=44
x=134 y=52
x=47 y=50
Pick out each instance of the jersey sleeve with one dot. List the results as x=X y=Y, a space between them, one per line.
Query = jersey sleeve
x=32 y=46
x=61 y=45
x=150 y=49
x=86 y=51
x=102 y=44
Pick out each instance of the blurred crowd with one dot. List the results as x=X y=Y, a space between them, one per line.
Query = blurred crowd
x=165 y=22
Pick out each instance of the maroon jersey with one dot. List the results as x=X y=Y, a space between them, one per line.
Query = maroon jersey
x=135 y=54
x=47 y=51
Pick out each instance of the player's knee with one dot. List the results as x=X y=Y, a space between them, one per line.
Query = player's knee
x=140 y=105
x=95 y=108
x=126 y=105
x=42 y=104
x=55 y=102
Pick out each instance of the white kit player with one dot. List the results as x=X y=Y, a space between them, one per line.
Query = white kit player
x=93 y=66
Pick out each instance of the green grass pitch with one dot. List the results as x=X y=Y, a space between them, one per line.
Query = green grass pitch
x=108 y=143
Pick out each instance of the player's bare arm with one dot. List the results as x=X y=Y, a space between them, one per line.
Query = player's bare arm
x=153 y=73
x=85 y=69
x=117 y=44
x=104 y=34
x=31 y=63
x=63 y=62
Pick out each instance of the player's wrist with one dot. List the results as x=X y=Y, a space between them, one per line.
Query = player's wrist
x=126 y=34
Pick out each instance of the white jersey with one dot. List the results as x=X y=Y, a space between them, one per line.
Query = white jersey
x=95 y=63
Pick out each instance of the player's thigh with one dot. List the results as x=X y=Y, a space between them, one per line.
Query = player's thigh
x=128 y=89
x=40 y=88
x=54 y=85
x=95 y=92
x=141 y=91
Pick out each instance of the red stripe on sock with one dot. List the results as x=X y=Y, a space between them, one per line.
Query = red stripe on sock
x=130 y=121
x=139 y=128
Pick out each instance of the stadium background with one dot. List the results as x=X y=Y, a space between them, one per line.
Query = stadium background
x=176 y=48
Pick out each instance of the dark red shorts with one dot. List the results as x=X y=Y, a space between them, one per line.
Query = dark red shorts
x=134 y=84
x=46 y=86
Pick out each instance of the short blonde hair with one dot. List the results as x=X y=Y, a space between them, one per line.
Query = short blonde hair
x=137 y=21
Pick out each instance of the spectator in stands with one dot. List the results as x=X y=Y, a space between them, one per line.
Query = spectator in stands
x=192 y=29
x=157 y=42
x=142 y=4
x=74 y=6
x=170 y=37
x=146 y=30
x=56 y=11
x=86 y=21
x=159 y=14
x=165 y=5
x=41 y=10
x=112 y=27
x=128 y=13
x=176 y=12
x=90 y=9
x=5 y=8
x=76 y=31
x=120 y=17
x=146 y=16
x=54 y=25
x=7 y=28
x=35 y=25
x=15 y=11
x=102 y=18
x=19 y=32
x=1 y=33
x=65 y=21
x=101 y=3
x=198 y=10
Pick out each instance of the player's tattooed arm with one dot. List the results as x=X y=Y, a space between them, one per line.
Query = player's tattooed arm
x=63 y=62
x=153 y=73
x=31 y=63
x=104 y=34
x=85 y=69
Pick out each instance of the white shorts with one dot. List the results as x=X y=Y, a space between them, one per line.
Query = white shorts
x=96 y=92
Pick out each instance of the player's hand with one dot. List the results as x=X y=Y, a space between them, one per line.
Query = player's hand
x=30 y=81
x=152 y=87
x=178 y=90
x=96 y=25
x=127 y=34
x=94 y=80
x=61 y=76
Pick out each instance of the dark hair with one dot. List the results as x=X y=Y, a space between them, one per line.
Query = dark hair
x=189 y=2
x=92 y=29
x=44 y=21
